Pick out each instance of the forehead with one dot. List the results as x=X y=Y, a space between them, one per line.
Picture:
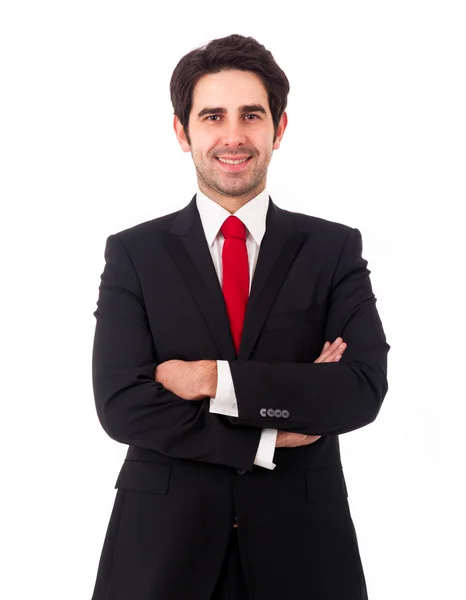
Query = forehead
x=229 y=89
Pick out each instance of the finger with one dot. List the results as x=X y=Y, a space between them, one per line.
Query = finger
x=336 y=356
x=328 y=345
x=310 y=439
x=325 y=347
x=337 y=348
x=329 y=355
x=334 y=346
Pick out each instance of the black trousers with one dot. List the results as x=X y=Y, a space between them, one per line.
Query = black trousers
x=231 y=584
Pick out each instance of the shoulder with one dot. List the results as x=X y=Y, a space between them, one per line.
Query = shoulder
x=145 y=235
x=148 y=228
x=317 y=226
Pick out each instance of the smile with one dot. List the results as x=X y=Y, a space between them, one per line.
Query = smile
x=229 y=165
x=229 y=161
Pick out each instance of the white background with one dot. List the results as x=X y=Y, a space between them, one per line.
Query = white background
x=376 y=140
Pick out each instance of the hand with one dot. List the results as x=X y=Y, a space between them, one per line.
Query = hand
x=183 y=378
x=288 y=439
x=332 y=352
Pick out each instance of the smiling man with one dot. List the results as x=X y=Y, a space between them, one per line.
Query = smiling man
x=235 y=341
x=231 y=136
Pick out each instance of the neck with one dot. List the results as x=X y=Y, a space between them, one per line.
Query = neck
x=230 y=203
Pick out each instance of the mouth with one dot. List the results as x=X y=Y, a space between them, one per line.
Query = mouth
x=233 y=165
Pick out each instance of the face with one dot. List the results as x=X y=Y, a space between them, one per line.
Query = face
x=230 y=121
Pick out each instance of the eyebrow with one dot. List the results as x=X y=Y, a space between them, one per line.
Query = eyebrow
x=218 y=110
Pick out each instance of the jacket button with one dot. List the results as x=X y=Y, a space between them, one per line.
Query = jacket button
x=285 y=414
x=240 y=471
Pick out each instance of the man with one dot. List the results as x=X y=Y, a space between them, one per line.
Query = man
x=209 y=362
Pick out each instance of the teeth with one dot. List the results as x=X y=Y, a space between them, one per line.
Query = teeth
x=232 y=162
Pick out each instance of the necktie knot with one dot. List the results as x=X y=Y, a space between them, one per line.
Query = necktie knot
x=233 y=227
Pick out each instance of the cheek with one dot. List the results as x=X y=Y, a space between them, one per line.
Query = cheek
x=201 y=152
x=264 y=143
x=203 y=141
x=207 y=146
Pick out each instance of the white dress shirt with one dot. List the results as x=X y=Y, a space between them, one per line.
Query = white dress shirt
x=253 y=215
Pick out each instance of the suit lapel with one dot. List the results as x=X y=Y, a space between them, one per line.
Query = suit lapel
x=190 y=251
x=188 y=246
x=279 y=247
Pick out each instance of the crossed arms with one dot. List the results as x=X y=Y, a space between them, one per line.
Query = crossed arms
x=197 y=380
x=323 y=399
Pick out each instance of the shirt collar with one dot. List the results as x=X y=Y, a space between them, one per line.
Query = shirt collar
x=253 y=214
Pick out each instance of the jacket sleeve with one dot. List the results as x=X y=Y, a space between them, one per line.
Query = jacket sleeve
x=324 y=398
x=132 y=407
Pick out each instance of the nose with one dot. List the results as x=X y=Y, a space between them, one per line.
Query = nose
x=233 y=134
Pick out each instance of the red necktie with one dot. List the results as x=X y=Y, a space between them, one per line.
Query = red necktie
x=235 y=277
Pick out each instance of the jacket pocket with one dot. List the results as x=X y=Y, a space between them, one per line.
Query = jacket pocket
x=325 y=484
x=142 y=476
x=291 y=318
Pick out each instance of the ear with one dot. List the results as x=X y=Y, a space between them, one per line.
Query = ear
x=180 y=134
x=280 y=130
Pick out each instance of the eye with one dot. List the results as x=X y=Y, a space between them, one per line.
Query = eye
x=249 y=117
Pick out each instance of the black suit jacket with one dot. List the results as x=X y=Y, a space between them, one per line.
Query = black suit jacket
x=188 y=472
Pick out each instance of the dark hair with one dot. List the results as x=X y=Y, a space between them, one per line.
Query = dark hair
x=231 y=52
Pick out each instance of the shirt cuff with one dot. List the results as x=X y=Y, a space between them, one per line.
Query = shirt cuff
x=266 y=449
x=224 y=402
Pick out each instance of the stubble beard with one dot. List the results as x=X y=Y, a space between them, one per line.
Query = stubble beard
x=231 y=185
